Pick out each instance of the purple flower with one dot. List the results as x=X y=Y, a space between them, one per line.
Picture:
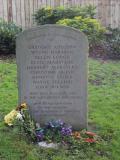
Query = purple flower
x=66 y=131
x=40 y=134
x=39 y=137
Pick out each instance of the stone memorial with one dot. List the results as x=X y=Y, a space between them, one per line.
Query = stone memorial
x=52 y=74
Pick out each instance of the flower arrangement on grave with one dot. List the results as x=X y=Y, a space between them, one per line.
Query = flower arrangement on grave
x=54 y=131
x=15 y=113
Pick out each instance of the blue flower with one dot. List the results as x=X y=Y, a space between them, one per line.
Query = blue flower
x=54 y=124
x=60 y=122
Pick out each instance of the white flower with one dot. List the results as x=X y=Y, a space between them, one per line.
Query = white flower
x=19 y=116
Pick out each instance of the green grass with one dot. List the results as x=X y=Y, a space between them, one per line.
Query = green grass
x=104 y=116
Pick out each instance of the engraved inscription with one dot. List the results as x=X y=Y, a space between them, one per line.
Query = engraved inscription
x=51 y=67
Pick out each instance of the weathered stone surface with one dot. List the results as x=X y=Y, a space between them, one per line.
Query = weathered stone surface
x=52 y=73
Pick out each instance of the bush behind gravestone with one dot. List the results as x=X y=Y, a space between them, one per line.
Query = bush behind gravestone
x=91 y=27
x=109 y=47
x=112 y=44
x=50 y=15
x=8 y=32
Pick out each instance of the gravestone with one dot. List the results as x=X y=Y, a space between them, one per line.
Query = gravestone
x=52 y=74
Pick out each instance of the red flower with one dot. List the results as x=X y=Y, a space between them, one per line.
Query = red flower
x=90 y=140
x=90 y=134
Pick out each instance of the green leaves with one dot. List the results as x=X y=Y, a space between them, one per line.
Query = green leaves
x=91 y=27
x=52 y=15
x=8 y=32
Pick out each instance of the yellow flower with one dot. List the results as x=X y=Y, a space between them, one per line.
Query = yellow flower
x=23 y=106
x=79 y=18
x=9 y=118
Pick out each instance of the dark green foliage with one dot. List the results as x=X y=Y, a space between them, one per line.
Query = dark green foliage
x=109 y=47
x=112 y=44
x=8 y=32
x=29 y=126
x=52 y=15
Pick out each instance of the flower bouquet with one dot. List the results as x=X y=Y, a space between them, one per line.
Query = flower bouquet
x=52 y=134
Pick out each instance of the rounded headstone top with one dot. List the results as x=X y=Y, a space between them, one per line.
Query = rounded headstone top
x=54 y=28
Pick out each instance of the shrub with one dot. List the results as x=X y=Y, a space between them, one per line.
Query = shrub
x=91 y=27
x=109 y=48
x=8 y=32
x=52 y=15
x=112 y=44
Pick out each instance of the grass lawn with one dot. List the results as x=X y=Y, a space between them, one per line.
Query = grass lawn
x=104 y=116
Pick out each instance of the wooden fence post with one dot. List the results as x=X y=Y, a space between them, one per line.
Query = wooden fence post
x=56 y=3
x=9 y=7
